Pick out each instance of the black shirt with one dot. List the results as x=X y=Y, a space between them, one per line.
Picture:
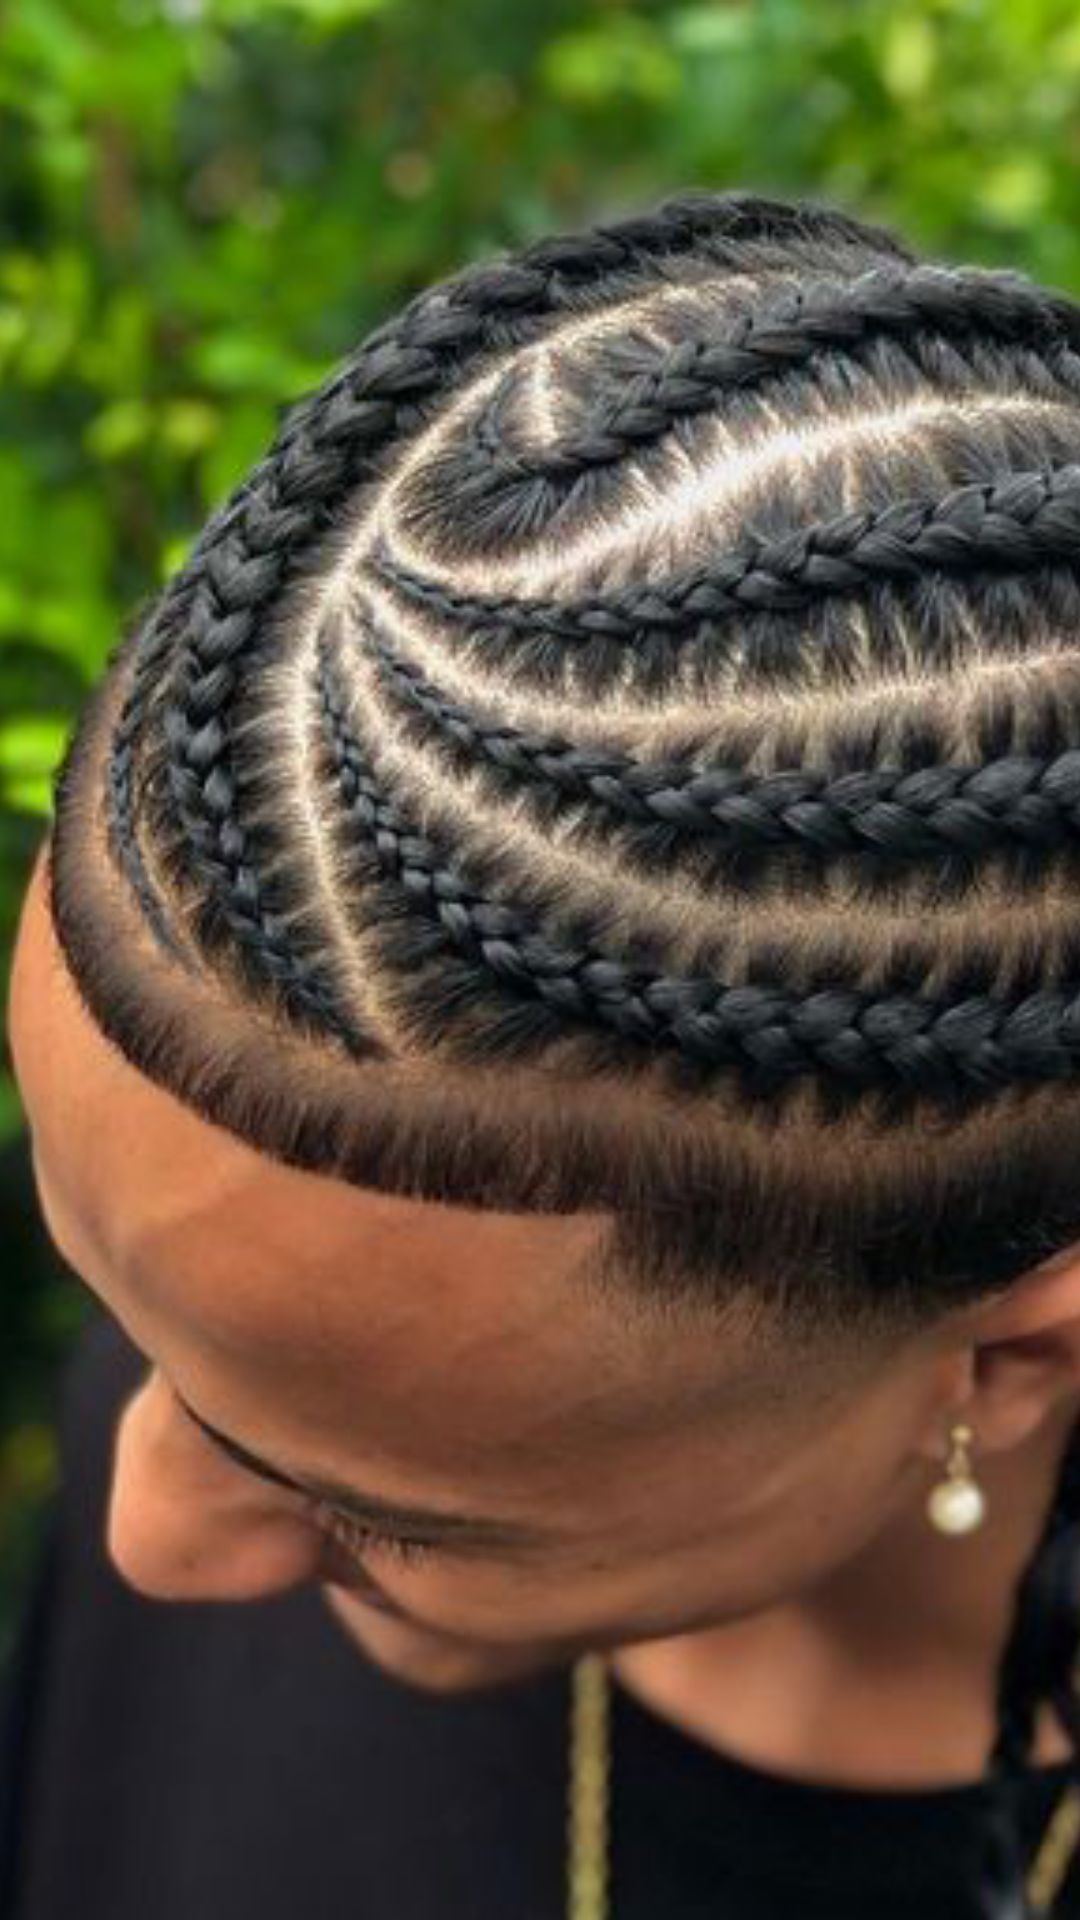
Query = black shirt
x=213 y=1762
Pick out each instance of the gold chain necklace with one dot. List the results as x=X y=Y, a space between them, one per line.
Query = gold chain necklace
x=588 y=1836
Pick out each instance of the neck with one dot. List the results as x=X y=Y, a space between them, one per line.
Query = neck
x=885 y=1675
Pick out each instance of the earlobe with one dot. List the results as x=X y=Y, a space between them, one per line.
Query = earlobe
x=954 y=1395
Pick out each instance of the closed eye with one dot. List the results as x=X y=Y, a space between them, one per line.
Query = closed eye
x=460 y=1535
x=360 y=1540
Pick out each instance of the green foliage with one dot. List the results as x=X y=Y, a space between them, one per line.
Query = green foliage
x=204 y=203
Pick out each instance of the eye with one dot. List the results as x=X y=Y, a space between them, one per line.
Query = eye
x=359 y=1539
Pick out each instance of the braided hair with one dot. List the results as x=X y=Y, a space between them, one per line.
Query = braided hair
x=620 y=750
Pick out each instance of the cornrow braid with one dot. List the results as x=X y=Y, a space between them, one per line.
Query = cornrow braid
x=902 y=816
x=1023 y=521
x=202 y=718
x=619 y=749
x=247 y=558
x=204 y=794
x=772 y=1035
x=656 y=387
x=120 y=807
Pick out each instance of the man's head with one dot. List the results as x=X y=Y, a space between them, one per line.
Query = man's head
x=550 y=999
x=599 y=1473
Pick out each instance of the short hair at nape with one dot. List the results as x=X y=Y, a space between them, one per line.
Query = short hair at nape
x=620 y=750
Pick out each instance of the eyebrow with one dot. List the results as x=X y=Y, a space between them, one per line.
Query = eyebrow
x=384 y=1515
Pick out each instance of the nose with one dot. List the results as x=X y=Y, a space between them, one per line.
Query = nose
x=186 y=1525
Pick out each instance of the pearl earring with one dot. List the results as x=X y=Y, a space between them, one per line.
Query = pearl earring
x=957 y=1504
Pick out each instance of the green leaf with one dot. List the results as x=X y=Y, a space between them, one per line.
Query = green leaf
x=313 y=13
x=187 y=426
x=119 y=429
x=32 y=744
x=908 y=56
x=1016 y=188
x=173 y=554
x=28 y=793
x=30 y=750
x=627 y=58
x=114 y=354
x=712 y=30
x=236 y=361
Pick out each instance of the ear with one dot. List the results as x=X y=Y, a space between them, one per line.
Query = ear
x=1014 y=1359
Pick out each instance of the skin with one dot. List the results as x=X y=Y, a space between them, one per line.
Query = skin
x=736 y=1519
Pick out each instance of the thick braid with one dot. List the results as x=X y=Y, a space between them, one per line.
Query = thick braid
x=1026 y=520
x=789 y=331
x=334 y=445
x=925 y=1046
x=254 y=548
x=154 y=650
x=152 y=644
x=238 y=574
x=218 y=630
x=905 y=816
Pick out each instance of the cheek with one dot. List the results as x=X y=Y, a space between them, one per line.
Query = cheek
x=764 y=1530
x=696 y=1548
x=857 y=1485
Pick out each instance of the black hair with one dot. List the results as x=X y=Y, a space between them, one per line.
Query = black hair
x=618 y=750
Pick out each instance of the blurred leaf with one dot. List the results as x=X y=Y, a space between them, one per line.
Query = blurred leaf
x=711 y=30
x=315 y=13
x=31 y=745
x=119 y=429
x=30 y=793
x=1017 y=188
x=1064 y=55
x=113 y=357
x=174 y=554
x=242 y=362
x=188 y=426
x=626 y=57
x=908 y=55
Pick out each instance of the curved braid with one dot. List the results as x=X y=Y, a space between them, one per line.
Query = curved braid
x=155 y=647
x=772 y=1034
x=211 y=649
x=1025 y=520
x=218 y=632
x=905 y=816
x=236 y=575
x=693 y=376
x=327 y=450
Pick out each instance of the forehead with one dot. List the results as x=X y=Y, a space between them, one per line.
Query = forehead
x=266 y=1283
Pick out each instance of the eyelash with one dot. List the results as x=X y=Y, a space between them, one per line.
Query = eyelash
x=347 y=1531
x=359 y=1539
